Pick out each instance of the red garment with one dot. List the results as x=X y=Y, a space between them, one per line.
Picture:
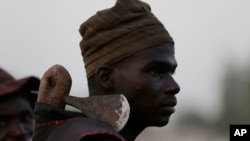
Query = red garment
x=69 y=126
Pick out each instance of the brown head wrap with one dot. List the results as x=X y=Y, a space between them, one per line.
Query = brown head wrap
x=116 y=33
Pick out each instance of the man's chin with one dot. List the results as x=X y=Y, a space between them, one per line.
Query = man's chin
x=161 y=123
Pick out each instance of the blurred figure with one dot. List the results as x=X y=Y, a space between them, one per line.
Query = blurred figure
x=16 y=107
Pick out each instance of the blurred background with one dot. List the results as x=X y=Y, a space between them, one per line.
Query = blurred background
x=212 y=49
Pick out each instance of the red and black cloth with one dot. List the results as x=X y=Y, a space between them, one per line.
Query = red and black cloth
x=55 y=124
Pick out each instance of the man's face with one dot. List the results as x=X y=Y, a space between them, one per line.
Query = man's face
x=147 y=82
x=16 y=120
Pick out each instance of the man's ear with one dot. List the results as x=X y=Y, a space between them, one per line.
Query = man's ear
x=104 y=77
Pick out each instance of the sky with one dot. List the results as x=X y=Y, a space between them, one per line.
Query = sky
x=208 y=34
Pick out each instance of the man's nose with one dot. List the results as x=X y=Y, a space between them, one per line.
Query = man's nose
x=172 y=87
x=16 y=128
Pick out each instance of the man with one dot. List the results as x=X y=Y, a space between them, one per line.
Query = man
x=16 y=107
x=126 y=50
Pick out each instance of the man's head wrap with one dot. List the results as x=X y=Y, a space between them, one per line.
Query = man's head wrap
x=11 y=87
x=116 y=33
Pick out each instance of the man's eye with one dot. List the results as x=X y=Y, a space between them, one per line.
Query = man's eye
x=154 y=72
x=26 y=118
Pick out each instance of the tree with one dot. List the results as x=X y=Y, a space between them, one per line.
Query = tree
x=236 y=98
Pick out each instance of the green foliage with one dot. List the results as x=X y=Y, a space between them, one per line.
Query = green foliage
x=236 y=98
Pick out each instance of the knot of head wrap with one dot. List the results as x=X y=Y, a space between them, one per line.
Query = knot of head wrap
x=116 y=33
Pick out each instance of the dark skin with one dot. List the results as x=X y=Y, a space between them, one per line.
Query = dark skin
x=146 y=79
x=16 y=119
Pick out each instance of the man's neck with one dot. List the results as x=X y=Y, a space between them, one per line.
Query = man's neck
x=132 y=130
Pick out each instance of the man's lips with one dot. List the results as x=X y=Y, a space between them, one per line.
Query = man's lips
x=169 y=109
x=170 y=103
x=168 y=106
